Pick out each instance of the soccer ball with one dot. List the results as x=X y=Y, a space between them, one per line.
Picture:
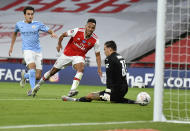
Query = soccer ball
x=143 y=98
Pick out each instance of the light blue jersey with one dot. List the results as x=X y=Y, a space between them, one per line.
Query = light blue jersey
x=30 y=34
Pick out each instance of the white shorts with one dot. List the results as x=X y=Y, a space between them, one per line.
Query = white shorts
x=63 y=61
x=33 y=57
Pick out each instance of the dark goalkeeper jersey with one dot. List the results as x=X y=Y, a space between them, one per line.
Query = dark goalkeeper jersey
x=116 y=71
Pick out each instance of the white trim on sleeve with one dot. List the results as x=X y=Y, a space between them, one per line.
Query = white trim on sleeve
x=72 y=32
x=97 y=46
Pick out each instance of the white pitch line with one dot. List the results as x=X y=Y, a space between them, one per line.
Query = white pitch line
x=29 y=99
x=72 y=124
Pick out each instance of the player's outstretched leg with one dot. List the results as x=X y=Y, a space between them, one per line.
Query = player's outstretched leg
x=66 y=98
x=128 y=101
x=35 y=90
x=42 y=80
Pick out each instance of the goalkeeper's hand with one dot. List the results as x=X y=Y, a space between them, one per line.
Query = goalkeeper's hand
x=106 y=95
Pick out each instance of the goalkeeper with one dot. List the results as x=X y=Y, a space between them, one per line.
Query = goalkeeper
x=116 y=82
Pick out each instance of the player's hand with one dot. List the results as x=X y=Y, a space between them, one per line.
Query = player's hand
x=53 y=35
x=100 y=72
x=10 y=51
x=105 y=97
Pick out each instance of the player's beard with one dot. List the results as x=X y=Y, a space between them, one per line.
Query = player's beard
x=88 y=34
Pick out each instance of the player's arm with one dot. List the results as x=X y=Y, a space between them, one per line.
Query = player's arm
x=98 y=57
x=14 y=35
x=98 y=61
x=69 y=33
x=52 y=33
x=59 y=45
x=44 y=28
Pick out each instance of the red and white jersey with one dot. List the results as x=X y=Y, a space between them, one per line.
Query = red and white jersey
x=78 y=45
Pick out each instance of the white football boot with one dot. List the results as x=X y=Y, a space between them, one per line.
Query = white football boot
x=66 y=98
x=29 y=93
x=72 y=93
x=35 y=90
x=23 y=80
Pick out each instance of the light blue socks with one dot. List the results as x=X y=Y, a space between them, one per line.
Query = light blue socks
x=32 y=77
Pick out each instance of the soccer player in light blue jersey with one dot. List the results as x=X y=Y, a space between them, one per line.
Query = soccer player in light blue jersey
x=29 y=31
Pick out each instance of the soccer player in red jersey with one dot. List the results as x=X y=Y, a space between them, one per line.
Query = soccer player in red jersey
x=81 y=41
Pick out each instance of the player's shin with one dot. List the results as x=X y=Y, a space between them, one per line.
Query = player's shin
x=75 y=84
x=44 y=78
x=32 y=77
x=76 y=80
x=41 y=81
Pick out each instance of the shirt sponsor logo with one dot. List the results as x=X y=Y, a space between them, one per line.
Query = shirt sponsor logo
x=81 y=46
x=33 y=26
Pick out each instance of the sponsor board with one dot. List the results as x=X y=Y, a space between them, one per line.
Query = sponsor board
x=179 y=79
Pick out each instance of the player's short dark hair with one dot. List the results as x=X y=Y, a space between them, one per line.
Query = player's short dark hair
x=92 y=20
x=111 y=44
x=28 y=8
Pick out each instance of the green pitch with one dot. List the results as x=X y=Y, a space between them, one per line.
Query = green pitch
x=47 y=112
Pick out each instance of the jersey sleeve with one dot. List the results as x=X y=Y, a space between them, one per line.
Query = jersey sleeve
x=43 y=27
x=97 y=46
x=72 y=32
x=16 y=28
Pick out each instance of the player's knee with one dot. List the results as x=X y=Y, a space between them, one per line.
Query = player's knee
x=89 y=96
x=38 y=76
x=79 y=67
x=32 y=66
x=80 y=70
